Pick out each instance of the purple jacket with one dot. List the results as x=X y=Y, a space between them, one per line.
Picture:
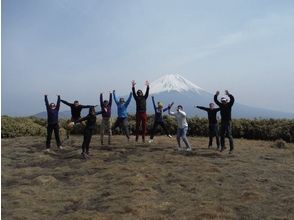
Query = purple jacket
x=106 y=111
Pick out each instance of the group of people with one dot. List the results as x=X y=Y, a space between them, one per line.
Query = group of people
x=140 y=98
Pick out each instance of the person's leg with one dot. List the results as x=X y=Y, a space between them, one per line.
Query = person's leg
x=116 y=124
x=222 y=135
x=89 y=141
x=217 y=136
x=155 y=124
x=108 y=127
x=162 y=124
x=86 y=136
x=230 y=136
x=144 y=125
x=102 y=128
x=49 y=135
x=185 y=139
x=179 y=133
x=210 y=134
x=126 y=127
x=138 y=123
x=56 y=133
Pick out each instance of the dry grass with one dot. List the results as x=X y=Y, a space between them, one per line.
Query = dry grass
x=146 y=181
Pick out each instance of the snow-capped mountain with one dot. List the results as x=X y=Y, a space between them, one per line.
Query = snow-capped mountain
x=173 y=82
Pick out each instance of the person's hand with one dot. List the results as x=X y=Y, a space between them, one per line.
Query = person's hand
x=227 y=92
x=147 y=83
x=217 y=93
x=133 y=83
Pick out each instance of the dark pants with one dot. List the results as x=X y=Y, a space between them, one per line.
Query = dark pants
x=122 y=122
x=213 y=131
x=156 y=123
x=226 y=130
x=50 y=129
x=87 y=139
x=141 y=118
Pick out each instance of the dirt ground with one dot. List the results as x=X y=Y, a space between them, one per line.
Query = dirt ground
x=146 y=181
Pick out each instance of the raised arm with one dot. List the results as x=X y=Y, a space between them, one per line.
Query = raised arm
x=58 y=102
x=65 y=102
x=101 y=100
x=87 y=106
x=114 y=97
x=215 y=98
x=202 y=108
x=129 y=100
x=147 y=90
x=46 y=101
x=154 y=106
x=232 y=99
x=133 y=89
x=110 y=99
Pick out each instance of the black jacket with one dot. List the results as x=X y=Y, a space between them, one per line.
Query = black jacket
x=225 y=109
x=75 y=110
x=140 y=100
x=52 y=114
x=211 y=114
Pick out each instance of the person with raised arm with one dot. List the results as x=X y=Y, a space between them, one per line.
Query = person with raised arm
x=106 y=118
x=212 y=123
x=141 y=115
x=88 y=131
x=52 y=122
x=122 y=114
x=158 y=119
x=226 y=119
x=75 y=109
x=182 y=127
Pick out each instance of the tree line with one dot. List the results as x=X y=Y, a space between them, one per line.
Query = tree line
x=257 y=129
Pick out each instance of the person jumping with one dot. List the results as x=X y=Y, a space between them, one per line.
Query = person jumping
x=182 y=127
x=158 y=119
x=75 y=109
x=141 y=116
x=52 y=120
x=106 y=117
x=88 y=131
x=226 y=119
x=122 y=118
x=212 y=123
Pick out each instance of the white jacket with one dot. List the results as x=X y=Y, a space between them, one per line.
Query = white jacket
x=181 y=118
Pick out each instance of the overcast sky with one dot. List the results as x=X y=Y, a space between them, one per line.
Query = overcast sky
x=78 y=48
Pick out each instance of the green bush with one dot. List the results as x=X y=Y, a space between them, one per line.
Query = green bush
x=258 y=129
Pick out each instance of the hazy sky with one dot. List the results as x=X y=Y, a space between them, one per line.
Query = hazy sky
x=78 y=48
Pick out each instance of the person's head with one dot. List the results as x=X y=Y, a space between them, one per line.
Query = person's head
x=92 y=110
x=179 y=107
x=121 y=100
x=76 y=103
x=224 y=100
x=160 y=105
x=211 y=105
x=139 y=93
x=52 y=105
x=105 y=103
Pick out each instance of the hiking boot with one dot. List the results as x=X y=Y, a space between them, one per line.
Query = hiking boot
x=83 y=156
x=60 y=147
x=222 y=149
x=189 y=149
x=231 y=151
x=47 y=150
x=169 y=136
x=150 y=141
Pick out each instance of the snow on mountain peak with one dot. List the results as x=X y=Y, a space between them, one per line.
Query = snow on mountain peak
x=173 y=82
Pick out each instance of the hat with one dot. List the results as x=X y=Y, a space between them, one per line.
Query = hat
x=223 y=99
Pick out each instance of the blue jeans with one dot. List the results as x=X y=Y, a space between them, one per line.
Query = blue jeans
x=182 y=134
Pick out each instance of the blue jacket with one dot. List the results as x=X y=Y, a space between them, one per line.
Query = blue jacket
x=158 y=112
x=52 y=114
x=122 y=107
